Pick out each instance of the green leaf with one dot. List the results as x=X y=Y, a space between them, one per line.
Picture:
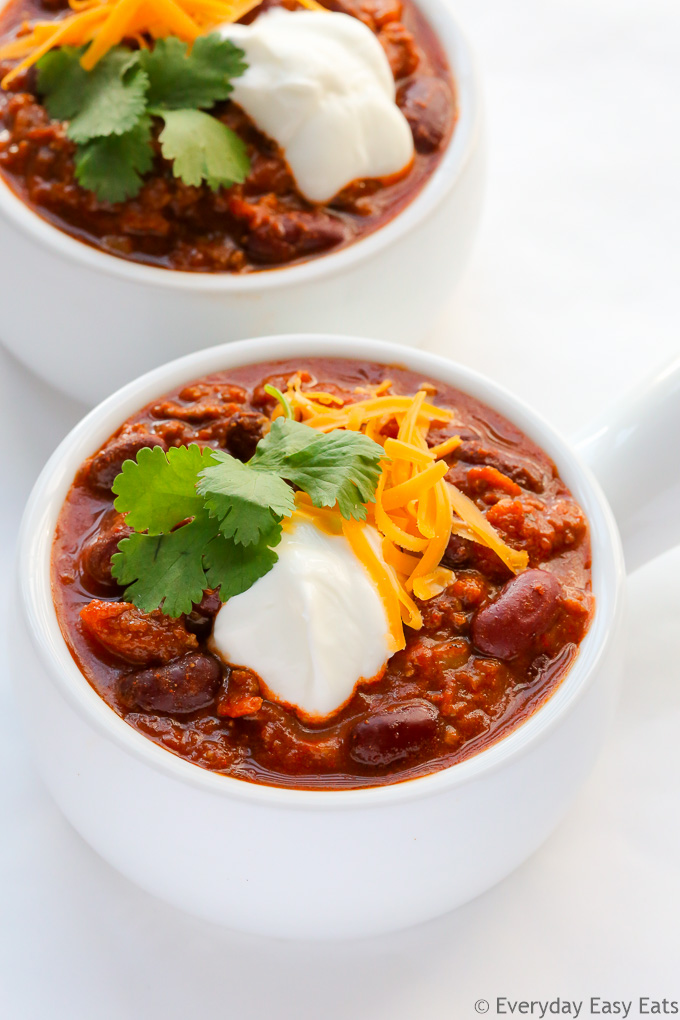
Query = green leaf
x=235 y=509
x=248 y=504
x=234 y=569
x=158 y=489
x=340 y=466
x=285 y=438
x=62 y=81
x=109 y=100
x=165 y=571
x=112 y=167
x=203 y=149
x=179 y=79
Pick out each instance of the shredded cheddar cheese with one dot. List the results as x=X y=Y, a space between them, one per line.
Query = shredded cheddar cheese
x=415 y=511
x=105 y=23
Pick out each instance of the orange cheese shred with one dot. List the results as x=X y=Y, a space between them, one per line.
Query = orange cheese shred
x=105 y=23
x=484 y=532
x=415 y=510
x=415 y=487
x=382 y=576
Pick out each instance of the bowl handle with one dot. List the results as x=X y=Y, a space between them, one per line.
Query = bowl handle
x=634 y=451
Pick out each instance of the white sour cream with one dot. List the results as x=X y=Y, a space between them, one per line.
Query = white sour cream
x=320 y=85
x=311 y=628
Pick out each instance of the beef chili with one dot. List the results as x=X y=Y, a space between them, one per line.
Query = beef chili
x=261 y=223
x=493 y=645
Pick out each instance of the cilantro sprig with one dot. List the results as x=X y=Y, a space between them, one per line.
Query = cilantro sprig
x=203 y=519
x=109 y=111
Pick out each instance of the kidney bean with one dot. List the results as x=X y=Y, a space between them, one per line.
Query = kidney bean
x=525 y=608
x=395 y=733
x=183 y=685
x=96 y=555
x=238 y=433
x=200 y=619
x=427 y=104
x=107 y=463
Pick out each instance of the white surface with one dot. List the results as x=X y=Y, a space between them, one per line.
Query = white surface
x=578 y=248
x=316 y=581
x=319 y=83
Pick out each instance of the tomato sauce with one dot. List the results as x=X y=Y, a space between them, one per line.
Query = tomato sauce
x=492 y=649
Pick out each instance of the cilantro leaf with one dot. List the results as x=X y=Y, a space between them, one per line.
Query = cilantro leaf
x=109 y=100
x=62 y=81
x=285 y=438
x=179 y=79
x=203 y=149
x=165 y=571
x=158 y=489
x=340 y=466
x=234 y=568
x=112 y=166
x=248 y=504
x=235 y=509
x=171 y=571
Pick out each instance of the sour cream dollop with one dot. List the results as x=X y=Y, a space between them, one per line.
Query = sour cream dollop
x=320 y=85
x=311 y=628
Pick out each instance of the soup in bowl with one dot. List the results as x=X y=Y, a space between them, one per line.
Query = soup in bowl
x=273 y=165
x=424 y=589
x=346 y=645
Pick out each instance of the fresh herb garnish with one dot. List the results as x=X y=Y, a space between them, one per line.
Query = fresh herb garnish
x=204 y=519
x=112 y=167
x=202 y=148
x=109 y=110
x=179 y=80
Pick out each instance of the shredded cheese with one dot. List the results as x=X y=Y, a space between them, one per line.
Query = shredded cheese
x=105 y=23
x=484 y=532
x=415 y=511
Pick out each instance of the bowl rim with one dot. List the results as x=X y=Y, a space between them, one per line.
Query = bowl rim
x=45 y=501
x=444 y=178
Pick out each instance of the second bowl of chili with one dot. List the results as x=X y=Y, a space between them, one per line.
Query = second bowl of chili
x=124 y=287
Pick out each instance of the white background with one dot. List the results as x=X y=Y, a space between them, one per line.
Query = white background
x=571 y=295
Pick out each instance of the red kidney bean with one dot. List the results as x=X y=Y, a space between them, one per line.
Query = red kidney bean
x=395 y=733
x=200 y=619
x=239 y=433
x=183 y=685
x=525 y=608
x=108 y=462
x=427 y=104
x=96 y=555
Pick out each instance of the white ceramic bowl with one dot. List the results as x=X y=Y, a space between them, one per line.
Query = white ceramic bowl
x=330 y=863
x=87 y=322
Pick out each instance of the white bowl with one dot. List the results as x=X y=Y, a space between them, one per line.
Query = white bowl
x=346 y=862
x=87 y=322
